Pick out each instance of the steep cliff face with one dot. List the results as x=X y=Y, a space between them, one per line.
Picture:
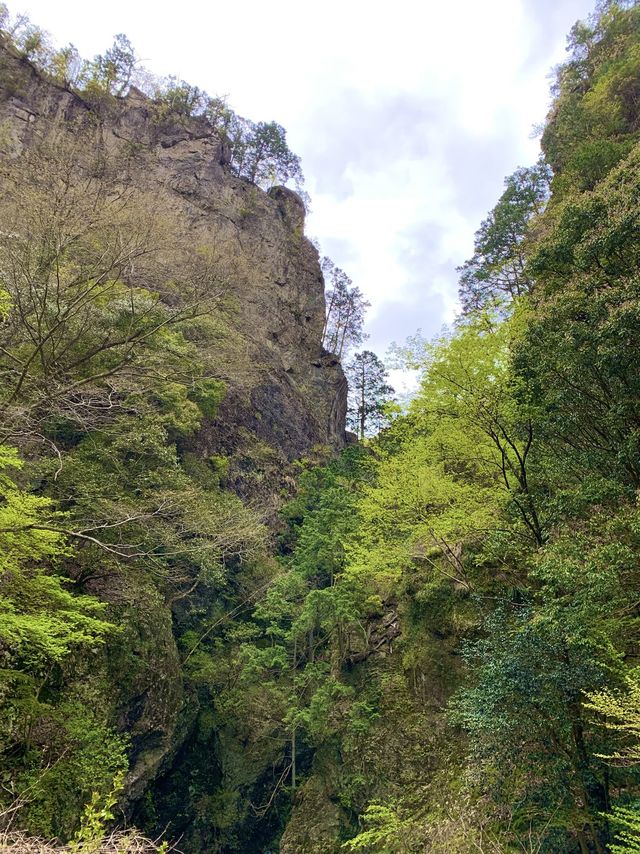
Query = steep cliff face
x=293 y=398
x=285 y=398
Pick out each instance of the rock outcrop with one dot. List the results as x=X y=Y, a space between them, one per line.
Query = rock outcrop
x=289 y=398
x=294 y=396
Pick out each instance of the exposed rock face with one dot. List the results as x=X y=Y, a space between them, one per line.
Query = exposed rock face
x=295 y=398
x=317 y=824
x=292 y=398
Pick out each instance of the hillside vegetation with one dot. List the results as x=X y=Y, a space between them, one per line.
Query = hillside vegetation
x=432 y=645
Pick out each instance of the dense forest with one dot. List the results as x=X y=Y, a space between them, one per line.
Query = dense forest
x=225 y=633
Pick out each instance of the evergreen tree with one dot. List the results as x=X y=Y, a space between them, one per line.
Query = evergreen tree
x=369 y=394
x=497 y=270
x=344 y=311
x=259 y=151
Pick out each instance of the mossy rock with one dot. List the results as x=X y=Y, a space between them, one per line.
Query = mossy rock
x=317 y=825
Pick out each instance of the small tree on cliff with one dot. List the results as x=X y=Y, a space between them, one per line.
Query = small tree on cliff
x=345 y=311
x=369 y=394
x=259 y=151
x=112 y=70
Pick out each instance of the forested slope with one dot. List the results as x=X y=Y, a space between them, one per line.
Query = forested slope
x=433 y=645
x=464 y=640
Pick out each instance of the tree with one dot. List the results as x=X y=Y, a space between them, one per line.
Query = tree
x=620 y=712
x=31 y=41
x=369 y=393
x=497 y=269
x=344 y=311
x=529 y=742
x=269 y=160
x=593 y=122
x=66 y=66
x=113 y=69
x=176 y=98
x=463 y=457
x=46 y=629
x=94 y=305
x=580 y=352
x=42 y=622
x=259 y=151
x=563 y=638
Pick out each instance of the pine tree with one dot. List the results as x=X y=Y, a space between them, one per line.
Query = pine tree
x=497 y=270
x=369 y=393
x=344 y=312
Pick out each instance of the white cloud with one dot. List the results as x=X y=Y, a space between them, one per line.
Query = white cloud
x=407 y=114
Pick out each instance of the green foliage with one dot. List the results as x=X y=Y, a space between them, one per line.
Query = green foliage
x=502 y=510
x=80 y=760
x=384 y=824
x=621 y=713
x=208 y=394
x=626 y=822
x=526 y=731
x=178 y=99
x=63 y=749
x=97 y=813
x=260 y=153
x=497 y=271
x=594 y=119
x=268 y=667
x=43 y=621
x=129 y=477
x=580 y=350
x=461 y=458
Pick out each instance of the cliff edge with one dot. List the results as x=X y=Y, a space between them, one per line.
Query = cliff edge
x=293 y=396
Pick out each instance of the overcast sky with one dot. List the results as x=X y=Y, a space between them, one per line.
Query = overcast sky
x=407 y=115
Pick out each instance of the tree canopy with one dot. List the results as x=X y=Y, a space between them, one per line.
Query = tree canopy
x=432 y=645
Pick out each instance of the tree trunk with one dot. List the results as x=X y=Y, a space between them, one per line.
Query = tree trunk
x=584 y=848
x=293 y=726
x=362 y=405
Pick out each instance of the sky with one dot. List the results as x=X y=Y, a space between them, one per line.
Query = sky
x=407 y=115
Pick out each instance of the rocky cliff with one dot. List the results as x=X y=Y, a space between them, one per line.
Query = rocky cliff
x=294 y=396
x=285 y=396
